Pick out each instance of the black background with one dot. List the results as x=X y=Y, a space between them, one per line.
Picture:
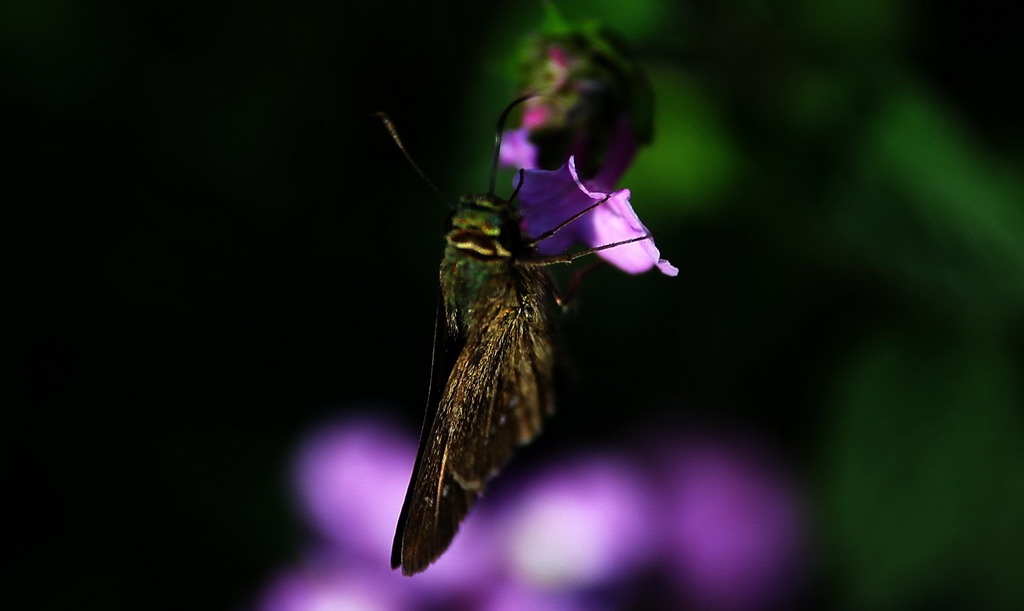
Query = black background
x=213 y=245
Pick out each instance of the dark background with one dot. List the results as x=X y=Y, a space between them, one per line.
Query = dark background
x=212 y=245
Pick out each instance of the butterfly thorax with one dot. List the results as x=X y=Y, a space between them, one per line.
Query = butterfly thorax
x=483 y=240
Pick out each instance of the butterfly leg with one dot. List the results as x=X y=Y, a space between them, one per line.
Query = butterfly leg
x=550 y=232
x=570 y=257
x=563 y=299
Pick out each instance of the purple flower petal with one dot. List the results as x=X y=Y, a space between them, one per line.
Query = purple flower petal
x=326 y=576
x=621 y=151
x=470 y=565
x=517 y=151
x=312 y=588
x=735 y=527
x=516 y=597
x=351 y=478
x=536 y=114
x=584 y=524
x=548 y=199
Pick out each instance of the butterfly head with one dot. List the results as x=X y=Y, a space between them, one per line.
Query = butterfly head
x=483 y=226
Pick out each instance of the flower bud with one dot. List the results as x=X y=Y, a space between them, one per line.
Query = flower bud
x=593 y=102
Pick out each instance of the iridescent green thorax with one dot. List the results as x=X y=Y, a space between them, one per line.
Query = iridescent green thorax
x=483 y=239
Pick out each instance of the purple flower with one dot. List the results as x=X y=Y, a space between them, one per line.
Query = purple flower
x=351 y=478
x=329 y=575
x=581 y=525
x=590 y=111
x=723 y=520
x=735 y=527
x=513 y=596
x=316 y=587
x=548 y=199
x=517 y=151
x=587 y=88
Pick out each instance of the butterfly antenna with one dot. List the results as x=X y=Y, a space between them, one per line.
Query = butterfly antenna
x=498 y=134
x=390 y=126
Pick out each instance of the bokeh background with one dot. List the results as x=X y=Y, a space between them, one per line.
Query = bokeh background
x=213 y=250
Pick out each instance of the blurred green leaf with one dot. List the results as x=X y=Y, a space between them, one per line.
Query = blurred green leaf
x=863 y=27
x=692 y=160
x=955 y=187
x=814 y=99
x=924 y=468
x=637 y=21
x=930 y=210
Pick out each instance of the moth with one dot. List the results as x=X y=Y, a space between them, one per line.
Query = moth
x=492 y=370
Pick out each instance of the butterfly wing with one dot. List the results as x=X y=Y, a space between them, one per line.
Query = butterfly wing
x=498 y=391
x=447 y=347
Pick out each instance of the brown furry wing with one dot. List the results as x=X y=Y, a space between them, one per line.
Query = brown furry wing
x=495 y=399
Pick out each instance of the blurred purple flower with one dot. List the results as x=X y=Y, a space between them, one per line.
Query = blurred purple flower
x=517 y=150
x=351 y=478
x=548 y=199
x=328 y=588
x=579 y=525
x=327 y=574
x=513 y=596
x=724 y=520
x=735 y=527
x=587 y=88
